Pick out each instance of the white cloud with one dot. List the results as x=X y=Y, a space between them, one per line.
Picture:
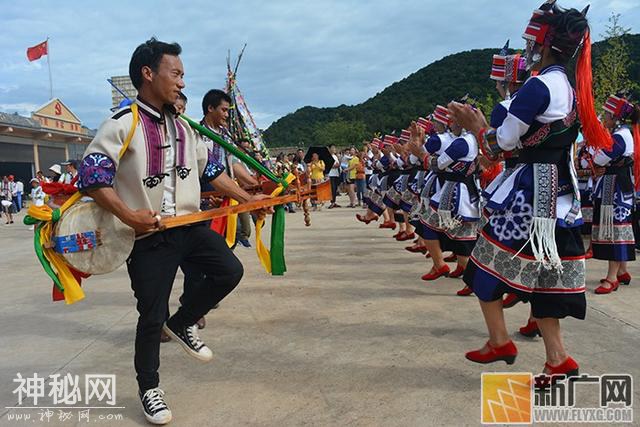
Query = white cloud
x=323 y=53
x=22 y=108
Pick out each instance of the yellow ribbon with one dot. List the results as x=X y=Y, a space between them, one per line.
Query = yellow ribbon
x=232 y=225
x=263 y=253
x=72 y=290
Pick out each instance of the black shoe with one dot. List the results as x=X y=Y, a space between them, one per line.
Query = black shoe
x=155 y=409
x=187 y=337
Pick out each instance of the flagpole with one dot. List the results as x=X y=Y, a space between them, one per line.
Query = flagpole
x=49 y=66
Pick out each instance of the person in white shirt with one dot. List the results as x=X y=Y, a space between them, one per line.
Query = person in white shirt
x=334 y=177
x=19 y=193
x=6 y=198
x=37 y=194
x=70 y=174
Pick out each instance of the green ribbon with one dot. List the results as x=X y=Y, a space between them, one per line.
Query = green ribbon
x=29 y=220
x=40 y=254
x=278 y=265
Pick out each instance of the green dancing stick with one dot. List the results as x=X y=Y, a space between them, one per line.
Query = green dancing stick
x=253 y=163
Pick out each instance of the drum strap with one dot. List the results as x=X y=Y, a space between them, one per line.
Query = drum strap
x=134 y=125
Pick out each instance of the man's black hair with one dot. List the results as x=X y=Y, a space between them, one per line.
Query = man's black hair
x=182 y=96
x=214 y=98
x=149 y=54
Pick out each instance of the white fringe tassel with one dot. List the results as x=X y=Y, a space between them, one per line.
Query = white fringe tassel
x=606 y=223
x=447 y=221
x=542 y=236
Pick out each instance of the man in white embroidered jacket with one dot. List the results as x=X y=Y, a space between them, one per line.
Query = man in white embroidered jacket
x=157 y=175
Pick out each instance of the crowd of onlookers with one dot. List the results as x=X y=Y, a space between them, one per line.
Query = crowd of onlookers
x=348 y=175
x=13 y=197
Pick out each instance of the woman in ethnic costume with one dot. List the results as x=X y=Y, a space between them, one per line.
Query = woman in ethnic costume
x=375 y=188
x=532 y=243
x=585 y=168
x=419 y=153
x=612 y=233
x=437 y=141
x=398 y=178
x=453 y=212
x=510 y=72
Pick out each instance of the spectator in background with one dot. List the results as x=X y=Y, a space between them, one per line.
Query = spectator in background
x=70 y=174
x=41 y=177
x=302 y=165
x=344 y=175
x=19 y=193
x=37 y=194
x=334 y=176
x=181 y=103
x=247 y=179
x=283 y=166
x=56 y=173
x=316 y=168
x=6 y=198
x=361 y=181
x=352 y=164
x=13 y=188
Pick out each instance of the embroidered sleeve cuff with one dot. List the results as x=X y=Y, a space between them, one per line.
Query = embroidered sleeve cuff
x=489 y=143
x=213 y=169
x=96 y=170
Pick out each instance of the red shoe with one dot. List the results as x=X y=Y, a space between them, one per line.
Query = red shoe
x=458 y=272
x=364 y=218
x=624 y=279
x=433 y=274
x=568 y=368
x=507 y=352
x=510 y=300
x=530 y=330
x=388 y=224
x=451 y=258
x=398 y=236
x=417 y=248
x=464 y=292
x=406 y=236
x=602 y=289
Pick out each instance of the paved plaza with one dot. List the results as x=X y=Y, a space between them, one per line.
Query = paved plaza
x=350 y=336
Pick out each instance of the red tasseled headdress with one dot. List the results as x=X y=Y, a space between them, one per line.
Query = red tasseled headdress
x=594 y=132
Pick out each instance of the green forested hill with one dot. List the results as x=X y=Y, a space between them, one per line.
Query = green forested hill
x=413 y=96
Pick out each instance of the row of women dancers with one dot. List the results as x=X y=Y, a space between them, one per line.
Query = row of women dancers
x=517 y=199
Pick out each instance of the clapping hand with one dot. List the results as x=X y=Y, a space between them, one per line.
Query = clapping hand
x=469 y=118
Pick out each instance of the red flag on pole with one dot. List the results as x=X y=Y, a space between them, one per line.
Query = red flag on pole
x=37 y=51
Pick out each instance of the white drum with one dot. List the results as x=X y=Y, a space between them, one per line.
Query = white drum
x=91 y=239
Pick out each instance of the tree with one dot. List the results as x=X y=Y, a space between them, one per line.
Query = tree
x=339 y=132
x=611 y=72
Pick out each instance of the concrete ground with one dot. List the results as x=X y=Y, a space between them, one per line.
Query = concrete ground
x=349 y=336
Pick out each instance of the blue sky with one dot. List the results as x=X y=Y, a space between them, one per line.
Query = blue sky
x=322 y=53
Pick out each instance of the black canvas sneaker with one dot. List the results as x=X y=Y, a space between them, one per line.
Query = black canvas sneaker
x=155 y=410
x=187 y=337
